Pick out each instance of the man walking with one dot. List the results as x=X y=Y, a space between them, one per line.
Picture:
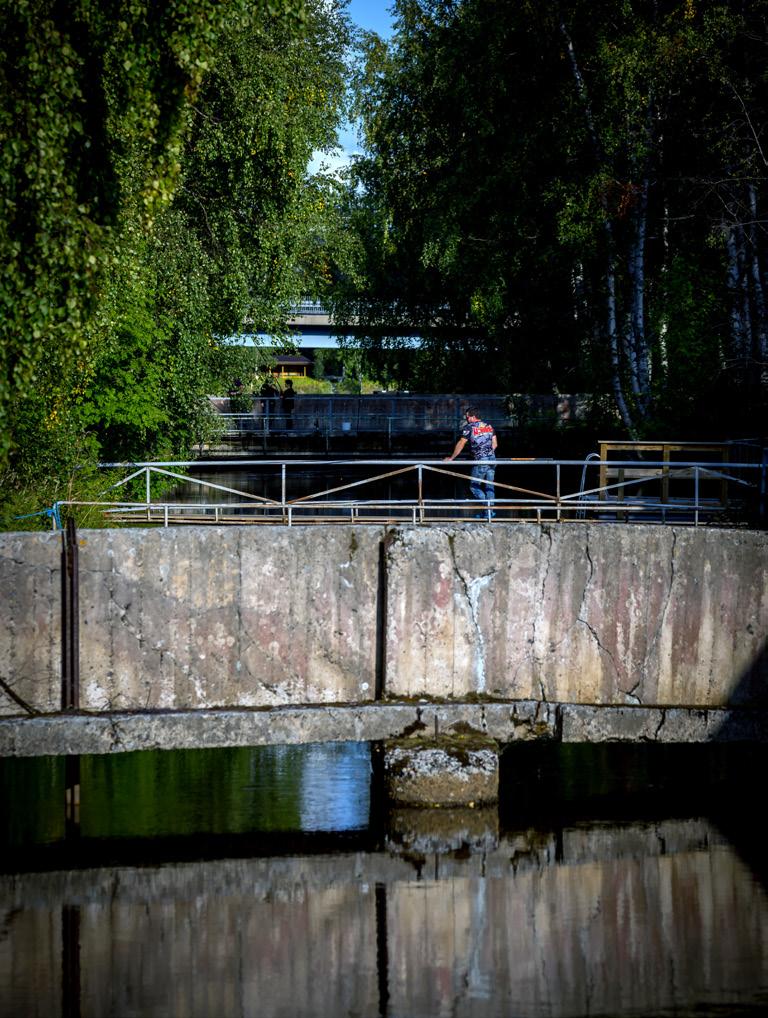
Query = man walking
x=482 y=446
x=287 y=398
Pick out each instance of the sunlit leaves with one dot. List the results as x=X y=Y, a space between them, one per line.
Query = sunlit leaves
x=153 y=162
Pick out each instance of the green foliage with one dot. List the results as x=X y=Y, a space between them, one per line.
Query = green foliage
x=312 y=386
x=153 y=179
x=93 y=116
x=56 y=446
x=541 y=244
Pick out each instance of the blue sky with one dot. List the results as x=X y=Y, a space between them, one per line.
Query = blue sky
x=375 y=16
x=372 y=14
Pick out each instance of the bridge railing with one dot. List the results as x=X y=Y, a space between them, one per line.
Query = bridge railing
x=332 y=415
x=380 y=491
x=308 y=307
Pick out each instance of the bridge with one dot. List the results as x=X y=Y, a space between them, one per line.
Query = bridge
x=313 y=328
x=201 y=636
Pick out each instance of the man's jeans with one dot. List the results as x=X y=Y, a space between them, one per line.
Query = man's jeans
x=481 y=483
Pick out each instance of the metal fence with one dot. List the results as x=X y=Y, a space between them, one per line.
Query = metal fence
x=388 y=422
x=405 y=411
x=391 y=491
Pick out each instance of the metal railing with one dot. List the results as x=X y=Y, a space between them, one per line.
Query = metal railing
x=265 y=428
x=308 y=307
x=348 y=413
x=430 y=492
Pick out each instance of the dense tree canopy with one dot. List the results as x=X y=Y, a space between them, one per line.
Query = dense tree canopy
x=571 y=195
x=153 y=166
x=566 y=196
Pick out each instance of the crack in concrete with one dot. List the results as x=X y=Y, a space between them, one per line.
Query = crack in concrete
x=115 y=735
x=555 y=645
x=603 y=650
x=535 y=660
x=661 y=723
x=122 y=611
x=11 y=693
x=630 y=693
x=653 y=642
x=589 y=578
x=32 y=567
x=472 y=590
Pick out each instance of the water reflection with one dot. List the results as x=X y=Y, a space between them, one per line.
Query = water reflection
x=156 y=795
x=447 y=913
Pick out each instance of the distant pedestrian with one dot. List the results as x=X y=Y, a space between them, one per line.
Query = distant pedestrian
x=270 y=392
x=482 y=446
x=287 y=399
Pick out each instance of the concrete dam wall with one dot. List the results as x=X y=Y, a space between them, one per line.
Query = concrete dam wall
x=245 y=617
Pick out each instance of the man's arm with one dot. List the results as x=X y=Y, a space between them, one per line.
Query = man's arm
x=459 y=446
x=495 y=442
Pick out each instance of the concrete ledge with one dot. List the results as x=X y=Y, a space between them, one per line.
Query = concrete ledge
x=662 y=724
x=524 y=720
x=61 y=734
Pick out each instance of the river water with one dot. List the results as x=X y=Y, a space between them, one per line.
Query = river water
x=265 y=882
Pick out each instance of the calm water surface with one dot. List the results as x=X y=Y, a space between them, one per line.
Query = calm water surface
x=274 y=882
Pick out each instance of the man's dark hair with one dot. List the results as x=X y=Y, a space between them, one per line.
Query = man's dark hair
x=471 y=412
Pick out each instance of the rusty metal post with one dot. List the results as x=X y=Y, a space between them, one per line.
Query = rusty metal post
x=70 y=619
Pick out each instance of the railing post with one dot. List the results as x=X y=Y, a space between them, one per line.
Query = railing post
x=421 y=493
x=282 y=491
x=557 y=490
x=696 y=496
x=148 y=488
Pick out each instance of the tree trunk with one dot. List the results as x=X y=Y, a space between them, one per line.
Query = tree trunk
x=610 y=271
x=642 y=356
x=760 y=323
x=738 y=332
x=613 y=339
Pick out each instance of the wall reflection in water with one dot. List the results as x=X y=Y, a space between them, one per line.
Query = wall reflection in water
x=602 y=919
x=301 y=896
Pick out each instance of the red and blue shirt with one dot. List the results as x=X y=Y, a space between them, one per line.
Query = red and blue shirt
x=480 y=438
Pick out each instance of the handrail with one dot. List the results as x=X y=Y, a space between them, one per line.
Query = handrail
x=422 y=486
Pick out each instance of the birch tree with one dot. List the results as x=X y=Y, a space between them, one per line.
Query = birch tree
x=576 y=191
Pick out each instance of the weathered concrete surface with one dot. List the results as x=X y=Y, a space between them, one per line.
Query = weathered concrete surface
x=205 y=617
x=122 y=733
x=126 y=732
x=609 y=614
x=30 y=629
x=447 y=771
x=197 y=617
